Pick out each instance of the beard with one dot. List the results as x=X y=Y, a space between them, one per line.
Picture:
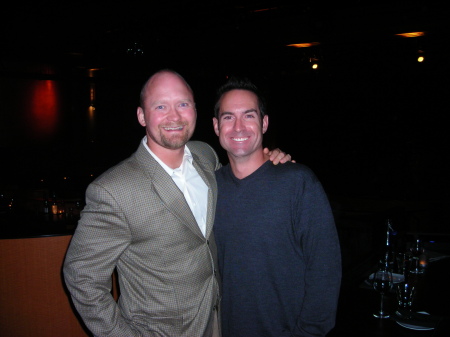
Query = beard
x=176 y=140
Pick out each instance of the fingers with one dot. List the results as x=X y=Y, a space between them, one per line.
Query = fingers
x=277 y=156
x=282 y=158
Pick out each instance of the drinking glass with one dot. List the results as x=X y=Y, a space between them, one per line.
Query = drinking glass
x=382 y=282
x=405 y=296
x=402 y=263
x=418 y=259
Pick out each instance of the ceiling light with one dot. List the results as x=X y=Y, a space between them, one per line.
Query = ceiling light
x=303 y=45
x=421 y=56
x=411 y=34
x=314 y=62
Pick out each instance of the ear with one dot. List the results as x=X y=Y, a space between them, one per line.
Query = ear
x=216 y=126
x=265 y=124
x=140 y=116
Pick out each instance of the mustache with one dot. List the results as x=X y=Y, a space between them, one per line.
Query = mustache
x=174 y=125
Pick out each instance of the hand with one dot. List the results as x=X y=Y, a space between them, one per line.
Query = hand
x=277 y=156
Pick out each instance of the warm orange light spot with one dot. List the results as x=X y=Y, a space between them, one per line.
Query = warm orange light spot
x=92 y=72
x=304 y=45
x=420 y=59
x=91 y=112
x=92 y=94
x=411 y=34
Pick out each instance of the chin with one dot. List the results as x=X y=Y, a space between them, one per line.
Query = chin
x=238 y=154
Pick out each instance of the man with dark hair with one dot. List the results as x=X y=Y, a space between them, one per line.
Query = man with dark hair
x=242 y=84
x=278 y=248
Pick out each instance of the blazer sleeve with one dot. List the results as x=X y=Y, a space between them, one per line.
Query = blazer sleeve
x=101 y=236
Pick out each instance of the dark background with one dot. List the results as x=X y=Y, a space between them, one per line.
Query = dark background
x=371 y=121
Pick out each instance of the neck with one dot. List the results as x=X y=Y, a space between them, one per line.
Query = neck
x=244 y=166
x=171 y=157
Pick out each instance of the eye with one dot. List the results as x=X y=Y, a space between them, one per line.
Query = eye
x=184 y=105
x=159 y=107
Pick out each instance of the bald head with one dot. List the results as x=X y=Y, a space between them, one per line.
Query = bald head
x=168 y=114
x=155 y=79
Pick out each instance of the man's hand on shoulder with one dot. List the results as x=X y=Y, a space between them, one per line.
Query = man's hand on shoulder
x=277 y=156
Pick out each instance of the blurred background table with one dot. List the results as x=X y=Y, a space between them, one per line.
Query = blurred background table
x=358 y=301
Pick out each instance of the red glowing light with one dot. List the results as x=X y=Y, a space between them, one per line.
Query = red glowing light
x=43 y=110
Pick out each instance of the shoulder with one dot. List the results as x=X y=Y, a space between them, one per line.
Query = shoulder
x=293 y=169
x=297 y=176
x=201 y=148
x=223 y=171
x=123 y=173
x=204 y=152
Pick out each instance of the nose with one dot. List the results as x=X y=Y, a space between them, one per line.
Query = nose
x=173 y=114
x=238 y=125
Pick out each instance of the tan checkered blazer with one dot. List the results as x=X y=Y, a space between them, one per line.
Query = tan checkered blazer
x=136 y=219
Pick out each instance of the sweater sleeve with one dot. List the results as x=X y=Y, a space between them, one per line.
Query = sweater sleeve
x=318 y=239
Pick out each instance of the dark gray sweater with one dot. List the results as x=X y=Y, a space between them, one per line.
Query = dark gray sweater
x=279 y=253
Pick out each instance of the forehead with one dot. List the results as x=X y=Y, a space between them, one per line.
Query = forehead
x=239 y=99
x=167 y=86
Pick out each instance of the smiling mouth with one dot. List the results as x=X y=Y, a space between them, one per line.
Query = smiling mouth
x=173 y=128
x=239 y=139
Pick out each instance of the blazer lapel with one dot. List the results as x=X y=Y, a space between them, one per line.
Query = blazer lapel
x=167 y=190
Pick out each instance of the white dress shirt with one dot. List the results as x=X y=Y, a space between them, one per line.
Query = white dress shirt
x=190 y=183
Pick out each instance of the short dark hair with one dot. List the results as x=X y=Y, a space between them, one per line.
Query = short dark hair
x=240 y=83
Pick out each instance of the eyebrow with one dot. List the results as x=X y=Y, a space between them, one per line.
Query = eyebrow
x=233 y=113
x=164 y=101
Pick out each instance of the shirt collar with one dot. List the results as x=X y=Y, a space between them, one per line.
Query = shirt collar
x=187 y=157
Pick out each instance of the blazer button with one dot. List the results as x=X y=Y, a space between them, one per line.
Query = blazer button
x=207 y=242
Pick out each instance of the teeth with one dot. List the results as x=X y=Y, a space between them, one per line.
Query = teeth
x=173 y=128
x=239 y=139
